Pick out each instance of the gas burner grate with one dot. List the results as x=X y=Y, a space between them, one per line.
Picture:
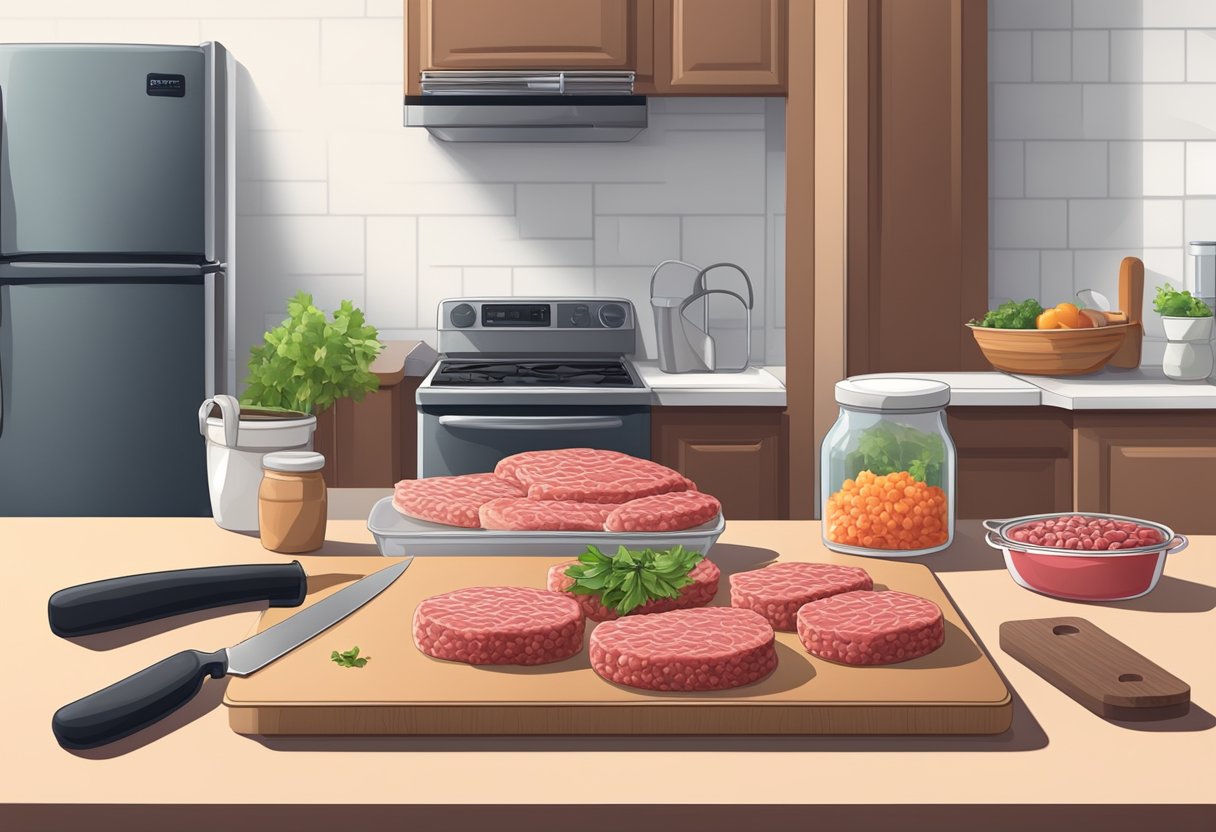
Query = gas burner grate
x=484 y=373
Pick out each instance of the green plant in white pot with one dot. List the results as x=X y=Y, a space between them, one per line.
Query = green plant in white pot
x=302 y=367
x=310 y=360
x=1188 y=331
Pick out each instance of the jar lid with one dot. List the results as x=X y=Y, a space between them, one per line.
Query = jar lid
x=892 y=393
x=293 y=461
x=1202 y=247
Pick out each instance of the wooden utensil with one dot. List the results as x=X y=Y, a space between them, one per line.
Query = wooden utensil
x=1095 y=668
x=1131 y=302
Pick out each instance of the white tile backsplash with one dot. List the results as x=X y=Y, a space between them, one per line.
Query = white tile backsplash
x=1071 y=169
x=1124 y=223
x=1090 y=55
x=554 y=210
x=1140 y=56
x=338 y=198
x=1052 y=56
x=1009 y=57
x=1118 y=149
x=1201 y=55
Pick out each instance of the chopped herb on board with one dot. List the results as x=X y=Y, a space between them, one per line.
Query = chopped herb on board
x=350 y=658
x=629 y=579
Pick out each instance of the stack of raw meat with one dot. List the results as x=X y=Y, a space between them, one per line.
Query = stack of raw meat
x=837 y=613
x=575 y=489
x=683 y=644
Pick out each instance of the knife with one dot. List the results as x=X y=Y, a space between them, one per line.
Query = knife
x=134 y=599
x=157 y=691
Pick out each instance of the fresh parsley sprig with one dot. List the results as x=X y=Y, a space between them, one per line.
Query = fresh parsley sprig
x=349 y=658
x=629 y=579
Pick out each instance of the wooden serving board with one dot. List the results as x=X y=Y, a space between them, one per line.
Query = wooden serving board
x=954 y=690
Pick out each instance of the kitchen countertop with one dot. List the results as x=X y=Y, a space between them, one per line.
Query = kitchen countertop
x=754 y=387
x=1055 y=753
x=1145 y=388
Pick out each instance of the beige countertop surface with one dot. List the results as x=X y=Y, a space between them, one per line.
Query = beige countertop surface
x=1056 y=752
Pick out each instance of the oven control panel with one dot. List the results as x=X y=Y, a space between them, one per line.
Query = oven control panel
x=532 y=314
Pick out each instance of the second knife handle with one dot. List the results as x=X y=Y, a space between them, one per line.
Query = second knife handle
x=120 y=602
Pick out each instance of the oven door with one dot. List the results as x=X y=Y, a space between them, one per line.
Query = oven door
x=471 y=439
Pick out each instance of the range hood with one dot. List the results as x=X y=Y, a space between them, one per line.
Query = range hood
x=523 y=106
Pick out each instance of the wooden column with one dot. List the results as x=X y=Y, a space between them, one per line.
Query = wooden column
x=918 y=183
x=800 y=242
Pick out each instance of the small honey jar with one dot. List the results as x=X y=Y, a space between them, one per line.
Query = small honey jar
x=292 y=501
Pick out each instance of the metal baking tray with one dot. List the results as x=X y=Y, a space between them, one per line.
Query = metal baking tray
x=398 y=535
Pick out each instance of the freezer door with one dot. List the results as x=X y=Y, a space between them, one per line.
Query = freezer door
x=102 y=151
x=99 y=392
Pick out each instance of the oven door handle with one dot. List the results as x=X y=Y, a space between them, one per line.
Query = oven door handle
x=531 y=422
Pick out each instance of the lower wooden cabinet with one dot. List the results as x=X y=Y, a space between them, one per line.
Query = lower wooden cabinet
x=1011 y=461
x=1158 y=466
x=737 y=454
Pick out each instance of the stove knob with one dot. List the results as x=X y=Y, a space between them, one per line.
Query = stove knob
x=463 y=315
x=612 y=315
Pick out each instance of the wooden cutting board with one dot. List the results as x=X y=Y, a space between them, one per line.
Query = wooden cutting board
x=955 y=690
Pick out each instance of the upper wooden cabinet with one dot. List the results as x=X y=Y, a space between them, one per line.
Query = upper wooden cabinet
x=720 y=46
x=675 y=47
x=528 y=34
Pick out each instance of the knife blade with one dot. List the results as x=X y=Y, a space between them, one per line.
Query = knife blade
x=155 y=692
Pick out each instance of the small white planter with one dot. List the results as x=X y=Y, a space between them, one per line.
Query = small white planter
x=235 y=448
x=1188 y=353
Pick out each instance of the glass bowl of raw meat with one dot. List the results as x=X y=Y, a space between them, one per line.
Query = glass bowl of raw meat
x=1084 y=556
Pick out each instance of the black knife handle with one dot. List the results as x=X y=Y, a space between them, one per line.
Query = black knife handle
x=120 y=602
x=137 y=701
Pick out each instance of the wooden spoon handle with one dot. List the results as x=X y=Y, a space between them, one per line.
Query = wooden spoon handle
x=1131 y=304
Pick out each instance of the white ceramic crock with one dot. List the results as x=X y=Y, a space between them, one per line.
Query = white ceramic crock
x=235 y=448
x=1188 y=351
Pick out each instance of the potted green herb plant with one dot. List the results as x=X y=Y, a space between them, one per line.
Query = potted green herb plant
x=302 y=367
x=310 y=361
x=1188 y=332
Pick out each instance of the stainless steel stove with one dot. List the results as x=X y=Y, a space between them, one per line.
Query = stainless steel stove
x=519 y=374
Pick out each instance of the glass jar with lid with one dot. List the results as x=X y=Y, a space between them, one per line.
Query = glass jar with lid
x=888 y=469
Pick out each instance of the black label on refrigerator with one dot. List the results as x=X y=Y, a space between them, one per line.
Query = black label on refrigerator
x=170 y=85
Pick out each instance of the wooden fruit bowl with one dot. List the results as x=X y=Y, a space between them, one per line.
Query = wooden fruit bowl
x=1052 y=352
x=1073 y=352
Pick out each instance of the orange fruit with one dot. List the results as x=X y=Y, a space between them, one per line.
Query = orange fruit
x=1067 y=314
x=1048 y=320
x=1084 y=321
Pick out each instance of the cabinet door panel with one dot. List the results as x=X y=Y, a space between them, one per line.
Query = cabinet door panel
x=527 y=34
x=727 y=46
x=1153 y=465
x=1011 y=461
x=735 y=455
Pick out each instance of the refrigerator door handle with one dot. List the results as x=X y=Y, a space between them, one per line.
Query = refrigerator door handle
x=211 y=314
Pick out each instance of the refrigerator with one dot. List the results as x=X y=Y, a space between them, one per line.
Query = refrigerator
x=116 y=274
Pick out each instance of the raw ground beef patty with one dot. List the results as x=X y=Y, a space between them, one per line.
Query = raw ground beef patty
x=588 y=475
x=705 y=577
x=453 y=501
x=871 y=627
x=524 y=514
x=664 y=513
x=499 y=625
x=711 y=648
x=777 y=591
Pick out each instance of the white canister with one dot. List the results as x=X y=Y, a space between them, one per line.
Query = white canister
x=235 y=447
